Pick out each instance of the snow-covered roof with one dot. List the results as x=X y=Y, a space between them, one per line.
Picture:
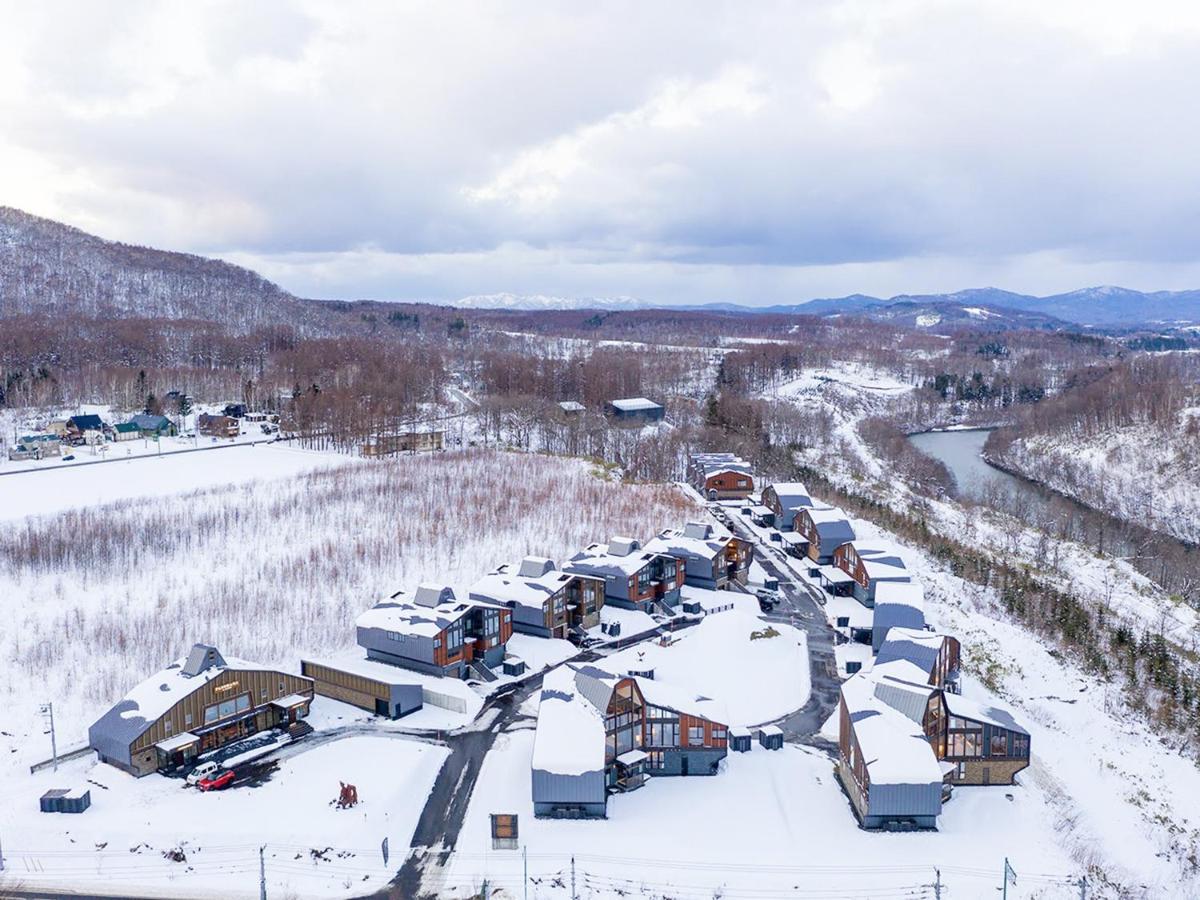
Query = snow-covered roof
x=571 y=406
x=894 y=749
x=530 y=583
x=762 y=510
x=635 y=404
x=849 y=608
x=981 y=712
x=697 y=540
x=913 y=646
x=793 y=538
x=791 y=494
x=682 y=700
x=611 y=558
x=908 y=698
x=880 y=561
x=832 y=525
x=152 y=698
x=569 y=739
x=834 y=575
x=424 y=613
x=900 y=593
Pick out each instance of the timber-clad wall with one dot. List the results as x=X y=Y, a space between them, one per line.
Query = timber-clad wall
x=251 y=681
x=353 y=689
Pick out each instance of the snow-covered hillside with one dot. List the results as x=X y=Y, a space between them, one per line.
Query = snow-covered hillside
x=1146 y=474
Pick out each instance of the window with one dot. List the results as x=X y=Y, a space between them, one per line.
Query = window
x=843 y=621
x=999 y=744
x=960 y=771
x=263 y=694
x=656 y=760
x=168 y=727
x=663 y=734
x=187 y=720
x=437 y=642
x=718 y=734
x=695 y=735
x=1020 y=746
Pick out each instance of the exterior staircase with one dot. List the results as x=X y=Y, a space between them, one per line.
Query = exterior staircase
x=481 y=670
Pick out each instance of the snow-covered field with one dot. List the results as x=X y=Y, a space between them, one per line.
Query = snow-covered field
x=267 y=568
x=769 y=824
x=119 y=843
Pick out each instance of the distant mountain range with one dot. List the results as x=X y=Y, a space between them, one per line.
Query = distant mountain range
x=50 y=268
x=1111 y=307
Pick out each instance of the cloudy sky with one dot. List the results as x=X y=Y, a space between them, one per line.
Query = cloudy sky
x=683 y=152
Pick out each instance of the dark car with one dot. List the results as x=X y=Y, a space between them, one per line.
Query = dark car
x=69 y=457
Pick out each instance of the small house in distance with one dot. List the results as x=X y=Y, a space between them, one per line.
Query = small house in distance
x=404 y=442
x=636 y=411
x=126 y=431
x=85 y=429
x=195 y=705
x=712 y=558
x=634 y=578
x=152 y=426
x=720 y=476
x=432 y=631
x=36 y=446
x=218 y=426
x=571 y=408
x=544 y=601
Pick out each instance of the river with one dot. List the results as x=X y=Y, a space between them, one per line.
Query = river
x=961 y=452
x=1163 y=558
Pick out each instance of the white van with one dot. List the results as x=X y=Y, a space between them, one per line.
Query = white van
x=202 y=771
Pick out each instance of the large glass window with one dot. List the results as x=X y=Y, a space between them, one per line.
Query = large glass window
x=999 y=743
x=226 y=708
x=696 y=735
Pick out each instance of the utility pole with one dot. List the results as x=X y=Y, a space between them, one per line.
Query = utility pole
x=937 y=884
x=573 y=896
x=524 y=869
x=262 y=874
x=1082 y=882
x=1009 y=872
x=48 y=710
x=1 y=857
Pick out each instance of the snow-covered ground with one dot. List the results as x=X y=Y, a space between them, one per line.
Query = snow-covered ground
x=148 y=477
x=118 y=844
x=770 y=823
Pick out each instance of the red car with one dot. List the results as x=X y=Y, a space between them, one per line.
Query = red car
x=217 y=781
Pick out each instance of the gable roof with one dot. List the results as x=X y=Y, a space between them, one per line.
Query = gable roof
x=148 y=422
x=914 y=646
x=129 y=719
x=88 y=422
x=530 y=584
x=697 y=540
x=431 y=609
x=981 y=712
x=894 y=748
x=622 y=556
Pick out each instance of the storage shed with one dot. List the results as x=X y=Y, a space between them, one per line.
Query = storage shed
x=378 y=687
x=66 y=800
x=739 y=740
x=771 y=737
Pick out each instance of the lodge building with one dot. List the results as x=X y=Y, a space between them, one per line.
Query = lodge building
x=634 y=578
x=545 y=601
x=600 y=733
x=712 y=558
x=195 y=705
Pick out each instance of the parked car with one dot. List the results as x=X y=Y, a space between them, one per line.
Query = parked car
x=766 y=595
x=202 y=771
x=70 y=457
x=217 y=782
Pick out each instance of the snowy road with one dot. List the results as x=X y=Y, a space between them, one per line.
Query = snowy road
x=801 y=608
